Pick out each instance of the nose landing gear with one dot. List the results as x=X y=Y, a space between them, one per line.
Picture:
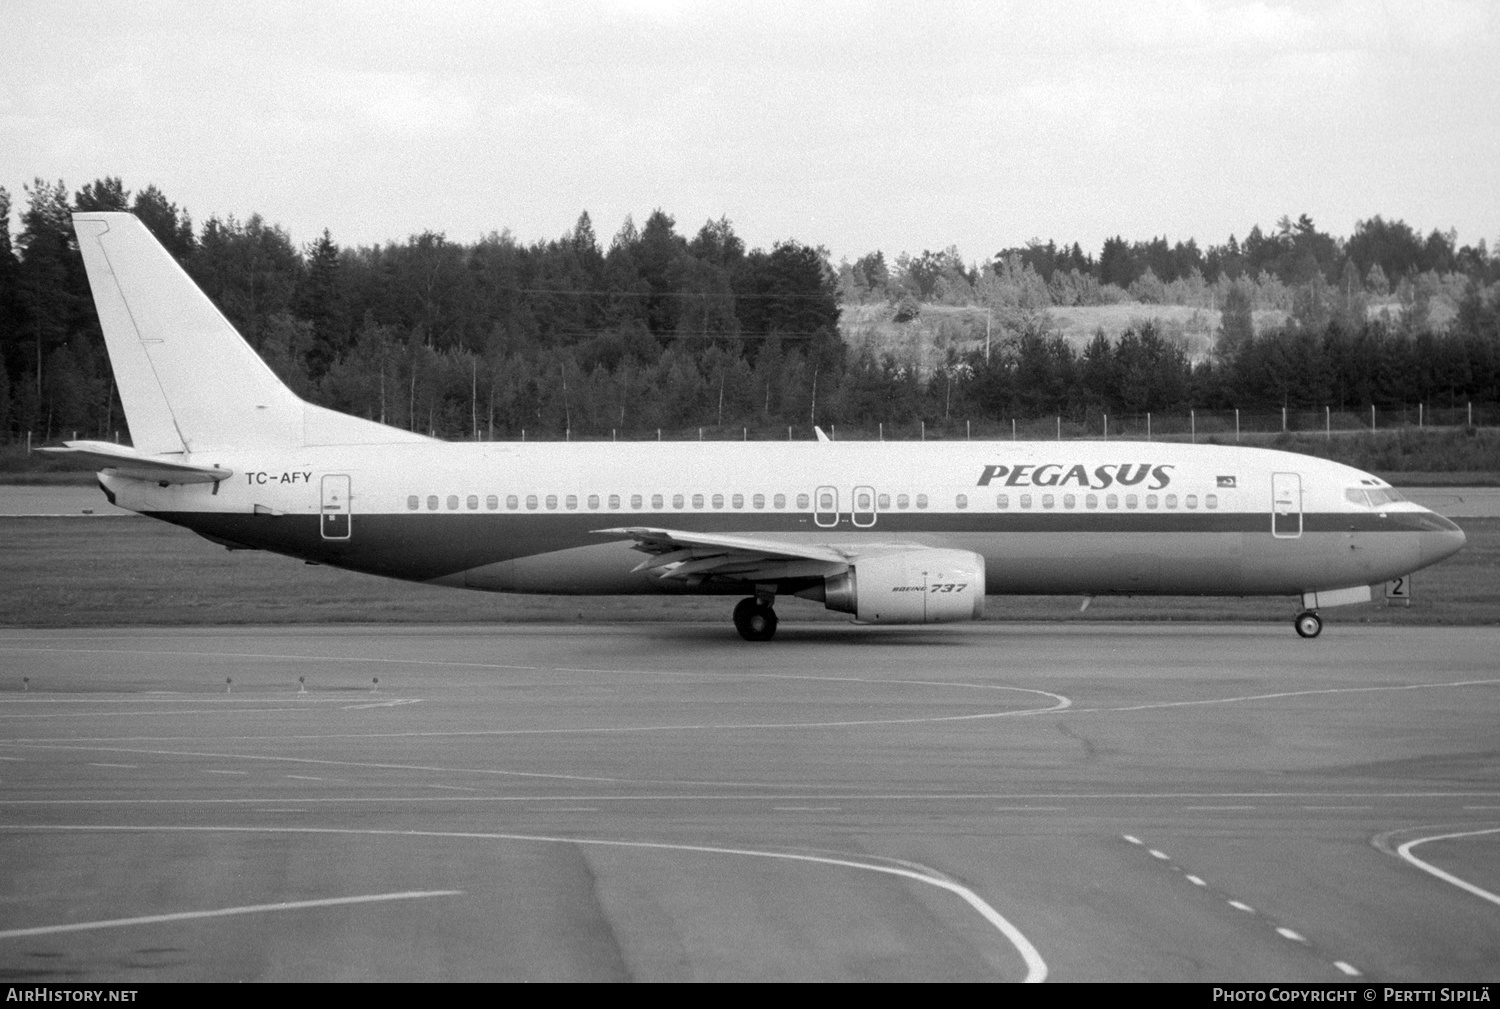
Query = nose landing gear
x=756 y=621
x=1308 y=624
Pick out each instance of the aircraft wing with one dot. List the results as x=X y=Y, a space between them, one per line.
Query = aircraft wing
x=695 y=557
x=121 y=460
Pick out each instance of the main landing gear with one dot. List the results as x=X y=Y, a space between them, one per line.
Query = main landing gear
x=755 y=620
x=1308 y=624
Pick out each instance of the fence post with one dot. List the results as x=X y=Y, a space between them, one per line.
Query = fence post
x=1419 y=415
x=924 y=430
x=1059 y=427
x=1471 y=413
x=1106 y=427
x=1148 y=425
x=968 y=430
x=1193 y=425
x=1236 y=424
x=1328 y=422
x=882 y=430
x=1012 y=429
x=1283 y=419
x=1372 y=418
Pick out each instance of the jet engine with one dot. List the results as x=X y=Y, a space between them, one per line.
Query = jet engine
x=919 y=586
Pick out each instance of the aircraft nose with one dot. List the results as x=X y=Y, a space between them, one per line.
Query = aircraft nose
x=1442 y=538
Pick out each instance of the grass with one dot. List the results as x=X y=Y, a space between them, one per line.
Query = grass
x=76 y=572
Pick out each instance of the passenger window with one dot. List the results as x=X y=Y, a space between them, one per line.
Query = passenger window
x=1131 y=501
x=758 y=501
x=551 y=502
x=697 y=500
x=657 y=502
x=1092 y=501
x=637 y=502
x=921 y=500
x=1171 y=500
x=432 y=502
x=492 y=502
x=531 y=502
x=614 y=502
x=1069 y=501
x=473 y=502
x=825 y=502
x=779 y=501
x=1150 y=500
x=902 y=501
x=1025 y=500
x=1210 y=500
x=571 y=502
x=1002 y=500
x=1112 y=501
x=738 y=501
x=678 y=501
x=453 y=502
x=512 y=502
x=412 y=503
x=882 y=501
x=717 y=500
x=862 y=501
x=803 y=502
x=1191 y=500
x=962 y=501
x=1046 y=500
x=593 y=501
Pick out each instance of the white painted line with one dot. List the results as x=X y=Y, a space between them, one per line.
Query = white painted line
x=1029 y=809
x=1241 y=906
x=1405 y=852
x=1196 y=881
x=806 y=809
x=1219 y=807
x=281 y=810
x=20 y=760
x=1160 y=854
x=453 y=788
x=128 y=766
x=210 y=770
x=1287 y=933
x=1351 y=971
x=305 y=777
x=1466 y=807
x=1132 y=839
x=1315 y=808
x=156 y=919
x=1036 y=967
x=562 y=809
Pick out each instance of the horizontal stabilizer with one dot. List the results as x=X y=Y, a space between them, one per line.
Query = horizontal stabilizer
x=121 y=460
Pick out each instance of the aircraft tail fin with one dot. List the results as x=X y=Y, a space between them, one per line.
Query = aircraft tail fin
x=188 y=380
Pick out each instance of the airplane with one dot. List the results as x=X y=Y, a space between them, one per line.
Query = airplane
x=889 y=532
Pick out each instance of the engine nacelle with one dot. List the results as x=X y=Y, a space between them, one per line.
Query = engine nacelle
x=916 y=586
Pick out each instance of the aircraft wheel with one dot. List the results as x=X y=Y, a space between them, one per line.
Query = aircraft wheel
x=754 y=621
x=1308 y=624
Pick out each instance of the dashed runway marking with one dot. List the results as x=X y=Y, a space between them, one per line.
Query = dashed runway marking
x=127 y=766
x=1289 y=934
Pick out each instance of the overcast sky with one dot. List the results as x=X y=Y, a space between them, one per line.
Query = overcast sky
x=897 y=127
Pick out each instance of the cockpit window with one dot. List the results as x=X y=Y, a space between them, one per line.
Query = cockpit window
x=1372 y=497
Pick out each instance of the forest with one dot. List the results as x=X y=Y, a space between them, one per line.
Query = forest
x=657 y=330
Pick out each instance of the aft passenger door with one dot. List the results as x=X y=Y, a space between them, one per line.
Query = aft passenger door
x=863 y=507
x=1286 y=505
x=335 y=521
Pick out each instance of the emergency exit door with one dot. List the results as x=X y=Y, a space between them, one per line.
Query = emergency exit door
x=335 y=524
x=1286 y=505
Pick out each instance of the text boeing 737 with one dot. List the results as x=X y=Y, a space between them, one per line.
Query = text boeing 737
x=890 y=532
